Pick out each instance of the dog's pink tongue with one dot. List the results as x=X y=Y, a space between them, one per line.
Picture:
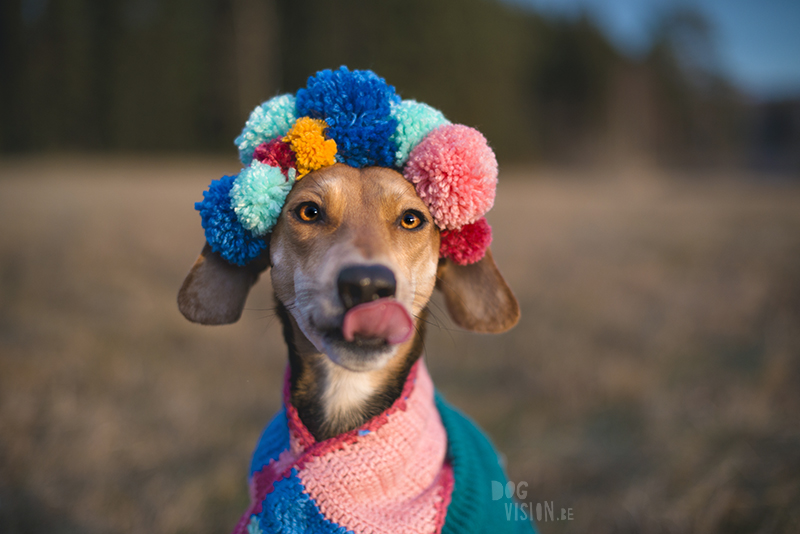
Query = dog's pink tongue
x=383 y=318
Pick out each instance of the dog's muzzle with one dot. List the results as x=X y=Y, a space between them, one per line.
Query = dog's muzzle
x=371 y=312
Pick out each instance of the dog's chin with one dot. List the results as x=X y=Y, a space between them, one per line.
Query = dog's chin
x=359 y=355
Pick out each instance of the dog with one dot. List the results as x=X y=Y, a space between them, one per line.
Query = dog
x=363 y=443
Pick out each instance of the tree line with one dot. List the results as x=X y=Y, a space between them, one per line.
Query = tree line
x=180 y=75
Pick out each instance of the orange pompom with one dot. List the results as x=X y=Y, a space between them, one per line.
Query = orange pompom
x=311 y=149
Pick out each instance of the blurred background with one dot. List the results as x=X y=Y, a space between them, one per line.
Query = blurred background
x=647 y=217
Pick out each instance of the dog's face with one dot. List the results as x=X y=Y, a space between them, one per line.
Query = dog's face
x=355 y=259
x=346 y=238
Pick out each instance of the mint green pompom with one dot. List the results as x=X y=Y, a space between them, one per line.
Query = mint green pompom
x=415 y=120
x=258 y=195
x=271 y=119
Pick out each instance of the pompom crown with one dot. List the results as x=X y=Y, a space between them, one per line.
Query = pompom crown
x=356 y=118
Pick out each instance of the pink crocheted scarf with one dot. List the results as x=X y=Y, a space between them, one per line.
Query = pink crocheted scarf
x=388 y=476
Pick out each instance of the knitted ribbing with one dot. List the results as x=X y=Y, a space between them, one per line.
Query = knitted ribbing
x=475 y=465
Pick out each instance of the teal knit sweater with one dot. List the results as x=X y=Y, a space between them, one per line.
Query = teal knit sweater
x=475 y=466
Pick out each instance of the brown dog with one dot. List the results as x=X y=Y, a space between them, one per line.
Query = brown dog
x=346 y=237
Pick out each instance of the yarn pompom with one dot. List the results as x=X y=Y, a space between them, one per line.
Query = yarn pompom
x=468 y=244
x=271 y=119
x=357 y=105
x=415 y=120
x=258 y=194
x=455 y=174
x=276 y=153
x=311 y=149
x=223 y=232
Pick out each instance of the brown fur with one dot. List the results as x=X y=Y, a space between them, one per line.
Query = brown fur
x=361 y=210
x=214 y=291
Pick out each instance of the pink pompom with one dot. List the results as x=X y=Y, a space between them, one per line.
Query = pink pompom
x=468 y=244
x=455 y=174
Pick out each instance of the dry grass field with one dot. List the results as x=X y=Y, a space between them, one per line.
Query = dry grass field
x=652 y=385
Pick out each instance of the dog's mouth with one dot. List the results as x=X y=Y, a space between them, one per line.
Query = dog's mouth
x=368 y=331
x=383 y=320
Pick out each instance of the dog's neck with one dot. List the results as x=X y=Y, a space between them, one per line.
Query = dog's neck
x=330 y=399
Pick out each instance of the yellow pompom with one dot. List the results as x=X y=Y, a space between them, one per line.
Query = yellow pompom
x=312 y=151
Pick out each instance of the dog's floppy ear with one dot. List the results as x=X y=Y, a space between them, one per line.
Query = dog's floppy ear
x=477 y=296
x=215 y=291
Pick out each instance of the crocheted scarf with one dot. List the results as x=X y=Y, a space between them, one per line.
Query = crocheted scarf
x=418 y=467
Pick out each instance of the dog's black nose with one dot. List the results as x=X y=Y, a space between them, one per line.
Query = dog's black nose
x=365 y=283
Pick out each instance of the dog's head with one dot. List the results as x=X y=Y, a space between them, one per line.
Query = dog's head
x=349 y=239
x=356 y=249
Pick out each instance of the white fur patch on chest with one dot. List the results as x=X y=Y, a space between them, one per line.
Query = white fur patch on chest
x=345 y=391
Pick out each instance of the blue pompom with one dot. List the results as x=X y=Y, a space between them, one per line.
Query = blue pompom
x=357 y=106
x=223 y=231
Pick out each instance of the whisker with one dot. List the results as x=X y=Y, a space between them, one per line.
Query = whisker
x=435 y=318
x=422 y=339
x=448 y=330
x=441 y=323
x=424 y=320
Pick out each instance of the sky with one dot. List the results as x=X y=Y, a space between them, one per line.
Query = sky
x=757 y=42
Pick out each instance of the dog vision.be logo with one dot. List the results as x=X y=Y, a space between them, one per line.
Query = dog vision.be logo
x=524 y=511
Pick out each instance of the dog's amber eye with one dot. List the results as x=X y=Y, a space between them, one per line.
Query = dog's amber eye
x=411 y=220
x=307 y=211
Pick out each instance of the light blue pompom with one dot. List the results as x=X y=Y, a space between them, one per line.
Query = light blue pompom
x=271 y=119
x=258 y=195
x=415 y=120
